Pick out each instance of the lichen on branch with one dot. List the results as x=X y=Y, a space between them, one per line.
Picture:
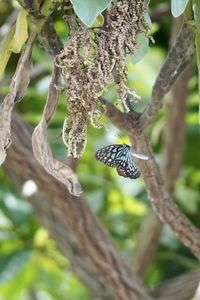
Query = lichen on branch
x=92 y=59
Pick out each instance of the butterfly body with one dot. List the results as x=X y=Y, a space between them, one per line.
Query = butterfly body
x=120 y=157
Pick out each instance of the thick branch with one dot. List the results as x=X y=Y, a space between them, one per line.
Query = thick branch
x=164 y=205
x=66 y=242
x=49 y=38
x=179 y=288
x=175 y=131
x=127 y=122
x=74 y=212
x=147 y=242
x=151 y=229
x=162 y=202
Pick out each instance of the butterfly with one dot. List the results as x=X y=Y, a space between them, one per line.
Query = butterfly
x=120 y=157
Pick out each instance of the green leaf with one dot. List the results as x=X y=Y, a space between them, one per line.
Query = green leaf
x=16 y=210
x=147 y=19
x=88 y=10
x=178 y=7
x=21 y=32
x=99 y=21
x=10 y=265
x=196 y=8
x=5 y=53
x=142 y=48
x=184 y=193
x=20 y=284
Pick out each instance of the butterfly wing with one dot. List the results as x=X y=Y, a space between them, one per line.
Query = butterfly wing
x=109 y=155
x=129 y=169
x=119 y=156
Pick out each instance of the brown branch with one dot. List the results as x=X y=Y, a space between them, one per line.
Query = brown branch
x=147 y=242
x=178 y=59
x=149 y=234
x=179 y=288
x=82 y=223
x=175 y=131
x=66 y=242
x=162 y=202
x=134 y=126
x=127 y=122
x=49 y=38
x=197 y=293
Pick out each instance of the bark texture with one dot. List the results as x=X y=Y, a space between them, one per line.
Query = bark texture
x=173 y=148
x=78 y=219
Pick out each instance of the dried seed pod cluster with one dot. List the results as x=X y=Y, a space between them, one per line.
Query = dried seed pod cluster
x=93 y=58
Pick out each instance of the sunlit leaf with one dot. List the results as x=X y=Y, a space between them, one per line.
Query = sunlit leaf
x=196 y=9
x=10 y=265
x=178 y=7
x=5 y=51
x=21 y=32
x=88 y=10
x=147 y=18
x=142 y=48
x=99 y=21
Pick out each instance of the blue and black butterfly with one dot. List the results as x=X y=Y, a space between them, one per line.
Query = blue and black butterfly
x=120 y=157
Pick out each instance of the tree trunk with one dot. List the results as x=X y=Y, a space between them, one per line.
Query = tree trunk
x=74 y=216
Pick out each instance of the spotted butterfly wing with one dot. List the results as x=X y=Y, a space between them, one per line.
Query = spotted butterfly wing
x=108 y=154
x=126 y=166
x=119 y=156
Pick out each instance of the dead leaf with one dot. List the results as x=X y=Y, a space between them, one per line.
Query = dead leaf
x=42 y=150
x=18 y=87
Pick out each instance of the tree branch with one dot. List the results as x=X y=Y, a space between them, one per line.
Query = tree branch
x=162 y=202
x=175 y=131
x=149 y=235
x=178 y=59
x=82 y=223
x=151 y=229
x=66 y=242
x=179 y=288
x=147 y=242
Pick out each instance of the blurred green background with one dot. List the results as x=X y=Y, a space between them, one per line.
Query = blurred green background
x=30 y=265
